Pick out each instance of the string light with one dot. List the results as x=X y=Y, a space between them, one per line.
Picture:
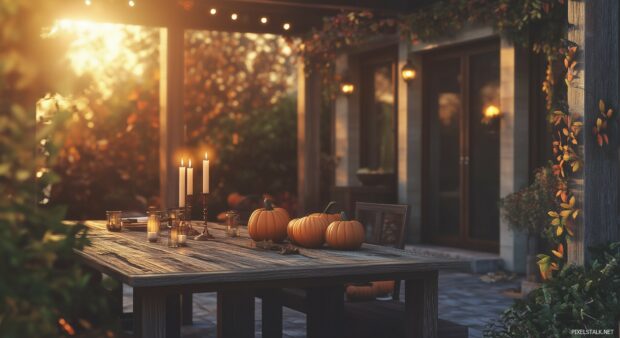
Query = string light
x=88 y=2
x=286 y=26
x=234 y=16
x=264 y=20
x=131 y=3
x=213 y=11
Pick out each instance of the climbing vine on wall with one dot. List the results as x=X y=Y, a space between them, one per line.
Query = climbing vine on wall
x=538 y=24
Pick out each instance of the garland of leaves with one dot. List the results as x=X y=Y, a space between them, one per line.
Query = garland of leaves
x=539 y=24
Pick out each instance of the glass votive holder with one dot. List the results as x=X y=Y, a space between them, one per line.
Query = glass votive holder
x=153 y=226
x=183 y=232
x=175 y=228
x=115 y=223
x=232 y=224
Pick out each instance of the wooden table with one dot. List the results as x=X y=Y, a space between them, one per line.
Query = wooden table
x=236 y=270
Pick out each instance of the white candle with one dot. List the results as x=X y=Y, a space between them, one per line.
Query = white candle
x=182 y=239
x=151 y=236
x=181 y=185
x=190 y=179
x=205 y=175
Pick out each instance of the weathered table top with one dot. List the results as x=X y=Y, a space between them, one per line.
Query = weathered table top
x=130 y=258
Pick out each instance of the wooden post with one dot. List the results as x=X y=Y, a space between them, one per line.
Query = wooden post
x=308 y=139
x=325 y=312
x=421 y=304
x=235 y=314
x=156 y=315
x=272 y=313
x=171 y=123
x=594 y=28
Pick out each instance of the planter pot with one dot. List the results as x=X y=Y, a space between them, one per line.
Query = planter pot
x=531 y=269
x=527 y=287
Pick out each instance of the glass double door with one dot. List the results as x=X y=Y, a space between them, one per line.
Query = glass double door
x=462 y=129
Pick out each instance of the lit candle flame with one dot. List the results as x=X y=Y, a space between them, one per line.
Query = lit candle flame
x=190 y=162
x=182 y=163
x=206 y=158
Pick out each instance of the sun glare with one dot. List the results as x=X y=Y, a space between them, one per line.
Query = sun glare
x=99 y=49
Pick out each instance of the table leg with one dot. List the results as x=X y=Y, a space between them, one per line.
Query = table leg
x=187 y=303
x=325 y=312
x=421 y=306
x=272 y=313
x=235 y=314
x=156 y=315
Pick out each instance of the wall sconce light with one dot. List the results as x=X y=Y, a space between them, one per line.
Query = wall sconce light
x=408 y=72
x=491 y=112
x=347 y=87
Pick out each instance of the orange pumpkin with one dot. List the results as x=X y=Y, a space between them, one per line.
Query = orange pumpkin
x=383 y=287
x=308 y=231
x=268 y=223
x=326 y=213
x=370 y=291
x=360 y=292
x=345 y=234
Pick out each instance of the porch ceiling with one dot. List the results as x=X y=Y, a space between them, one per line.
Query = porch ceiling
x=302 y=15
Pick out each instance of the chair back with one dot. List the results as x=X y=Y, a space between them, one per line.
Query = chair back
x=385 y=225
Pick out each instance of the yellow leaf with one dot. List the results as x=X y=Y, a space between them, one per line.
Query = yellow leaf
x=559 y=230
x=557 y=254
x=553 y=214
x=575 y=214
x=556 y=221
x=565 y=213
x=571 y=202
x=601 y=106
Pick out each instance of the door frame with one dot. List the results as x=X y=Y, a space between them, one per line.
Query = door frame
x=463 y=52
x=365 y=61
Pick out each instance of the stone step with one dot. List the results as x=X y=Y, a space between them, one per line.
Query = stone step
x=473 y=261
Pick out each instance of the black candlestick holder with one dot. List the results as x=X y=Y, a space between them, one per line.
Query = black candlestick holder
x=205 y=218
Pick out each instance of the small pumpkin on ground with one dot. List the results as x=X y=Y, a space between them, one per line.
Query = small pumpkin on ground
x=326 y=213
x=345 y=234
x=268 y=223
x=369 y=291
x=308 y=231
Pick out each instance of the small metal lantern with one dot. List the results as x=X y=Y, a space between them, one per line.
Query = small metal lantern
x=232 y=223
x=115 y=223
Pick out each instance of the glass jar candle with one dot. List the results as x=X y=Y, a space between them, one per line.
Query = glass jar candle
x=115 y=223
x=175 y=228
x=152 y=226
x=183 y=232
x=232 y=223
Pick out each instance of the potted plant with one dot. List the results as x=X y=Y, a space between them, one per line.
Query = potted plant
x=526 y=211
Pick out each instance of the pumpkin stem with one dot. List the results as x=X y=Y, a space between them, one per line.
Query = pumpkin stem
x=329 y=206
x=343 y=216
x=268 y=204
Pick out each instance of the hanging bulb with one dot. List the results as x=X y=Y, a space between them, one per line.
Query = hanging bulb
x=131 y=3
x=264 y=20
x=88 y=2
x=286 y=26
x=234 y=16
x=213 y=11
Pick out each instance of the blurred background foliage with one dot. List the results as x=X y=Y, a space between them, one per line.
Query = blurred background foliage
x=239 y=106
x=43 y=291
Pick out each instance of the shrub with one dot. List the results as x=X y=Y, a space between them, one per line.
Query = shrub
x=578 y=298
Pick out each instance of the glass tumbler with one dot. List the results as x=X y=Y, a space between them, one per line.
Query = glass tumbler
x=115 y=223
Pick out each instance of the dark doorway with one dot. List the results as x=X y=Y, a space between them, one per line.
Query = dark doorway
x=461 y=178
